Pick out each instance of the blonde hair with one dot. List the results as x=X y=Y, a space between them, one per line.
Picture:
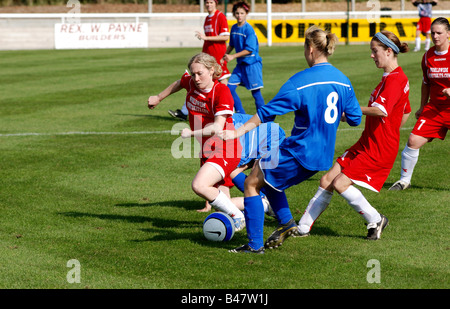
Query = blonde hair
x=323 y=41
x=208 y=61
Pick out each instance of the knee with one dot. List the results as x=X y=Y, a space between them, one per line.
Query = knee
x=250 y=182
x=326 y=182
x=197 y=187
x=416 y=142
x=340 y=183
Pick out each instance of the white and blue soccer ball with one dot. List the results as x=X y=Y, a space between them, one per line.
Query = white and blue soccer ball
x=218 y=226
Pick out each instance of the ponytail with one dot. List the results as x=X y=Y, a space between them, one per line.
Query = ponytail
x=324 y=41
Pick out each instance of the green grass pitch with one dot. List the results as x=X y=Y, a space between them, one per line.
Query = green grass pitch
x=87 y=174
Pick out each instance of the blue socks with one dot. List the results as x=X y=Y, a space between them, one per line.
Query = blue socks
x=259 y=100
x=239 y=181
x=254 y=215
x=279 y=204
x=237 y=101
x=254 y=221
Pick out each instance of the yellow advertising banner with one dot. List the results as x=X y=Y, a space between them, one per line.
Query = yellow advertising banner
x=357 y=31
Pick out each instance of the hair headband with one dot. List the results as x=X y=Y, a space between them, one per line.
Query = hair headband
x=384 y=39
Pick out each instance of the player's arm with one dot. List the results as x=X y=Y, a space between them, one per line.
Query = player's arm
x=227 y=57
x=156 y=99
x=217 y=38
x=425 y=94
x=227 y=53
x=373 y=111
x=208 y=130
x=404 y=118
x=246 y=127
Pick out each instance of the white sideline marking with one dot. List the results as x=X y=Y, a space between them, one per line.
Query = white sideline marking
x=131 y=133
x=84 y=133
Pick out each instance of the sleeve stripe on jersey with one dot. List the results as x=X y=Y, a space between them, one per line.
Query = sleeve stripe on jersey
x=224 y=112
x=381 y=107
x=323 y=83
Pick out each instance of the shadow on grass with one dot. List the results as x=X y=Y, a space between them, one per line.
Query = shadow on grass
x=158 y=222
x=387 y=185
x=186 y=204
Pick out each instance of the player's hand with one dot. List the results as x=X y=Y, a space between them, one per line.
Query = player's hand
x=419 y=112
x=446 y=92
x=343 y=118
x=153 y=101
x=226 y=58
x=199 y=35
x=186 y=133
x=227 y=134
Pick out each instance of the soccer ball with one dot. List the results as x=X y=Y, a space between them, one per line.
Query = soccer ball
x=218 y=226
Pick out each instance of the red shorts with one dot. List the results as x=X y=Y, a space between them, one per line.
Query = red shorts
x=363 y=170
x=424 y=25
x=225 y=166
x=225 y=72
x=433 y=122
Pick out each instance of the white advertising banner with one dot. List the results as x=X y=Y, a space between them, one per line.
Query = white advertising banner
x=101 y=35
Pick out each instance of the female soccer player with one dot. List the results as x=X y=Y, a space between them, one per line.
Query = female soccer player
x=263 y=141
x=424 y=24
x=434 y=112
x=215 y=35
x=248 y=70
x=318 y=96
x=210 y=108
x=368 y=162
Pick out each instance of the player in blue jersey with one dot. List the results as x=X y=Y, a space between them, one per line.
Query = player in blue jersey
x=248 y=70
x=319 y=96
x=262 y=141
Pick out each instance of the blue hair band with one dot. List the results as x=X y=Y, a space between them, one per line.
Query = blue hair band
x=384 y=39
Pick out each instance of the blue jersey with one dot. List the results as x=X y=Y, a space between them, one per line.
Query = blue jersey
x=245 y=38
x=260 y=142
x=318 y=96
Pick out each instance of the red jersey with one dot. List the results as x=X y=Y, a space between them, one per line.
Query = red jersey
x=203 y=107
x=381 y=136
x=216 y=25
x=436 y=74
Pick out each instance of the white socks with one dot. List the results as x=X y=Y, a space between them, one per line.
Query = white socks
x=224 y=204
x=427 y=44
x=417 y=48
x=356 y=199
x=409 y=160
x=315 y=207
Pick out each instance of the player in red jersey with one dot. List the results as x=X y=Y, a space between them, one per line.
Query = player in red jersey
x=216 y=34
x=215 y=37
x=210 y=106
x=424 y=24
x=434 y=112
x=368 y=162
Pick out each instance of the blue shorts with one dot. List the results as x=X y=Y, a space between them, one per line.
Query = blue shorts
x=287 y=173
x=249 y=76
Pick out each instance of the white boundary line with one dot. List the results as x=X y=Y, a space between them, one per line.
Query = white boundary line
x=132 y=133
x=83 y=133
